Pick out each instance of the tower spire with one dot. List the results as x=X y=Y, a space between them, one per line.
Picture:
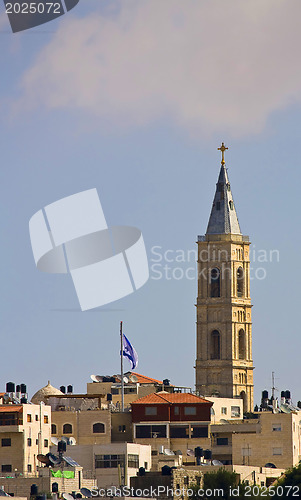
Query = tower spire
x=223 y=218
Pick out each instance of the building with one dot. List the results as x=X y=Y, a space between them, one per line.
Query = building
x=112 y=464
x=224 y=363
x=171 y=422
x=25 y=432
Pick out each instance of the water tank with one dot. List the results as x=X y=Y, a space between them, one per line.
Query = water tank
x=18 y=388
x=23 y=401
x=299 y=404
x=33 y=490
x=23 y=389
x=287 y=395
x=207 y=454
x=265 y=395
x=70 y=389
x=61 y=446
x=198 y=452
x=166 y=381
x=63 y=389
x=10 y=387
x=141 y=471
x=283 y=394
x=106 y=379
x=166 y=470
x=109 y=397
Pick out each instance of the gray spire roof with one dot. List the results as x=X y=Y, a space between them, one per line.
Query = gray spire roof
x=223 y=218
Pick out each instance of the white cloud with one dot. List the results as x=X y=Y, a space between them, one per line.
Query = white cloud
x=207 y=65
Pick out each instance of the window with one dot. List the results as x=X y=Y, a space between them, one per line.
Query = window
x=53 y=429
x=241 y=345
x=176 y=410
x=145 y=465
x=179 y=431
x=37 y=418
x=114 y=390
x=215 y=289
x=29 y=417
x=46 y=443
x=199 y=431
x=109 y=461
x=46 y=420
x=150 y=431
x=231 y=205
x=29 y=441
x=246 y=451
x=6 y=468
x=29 y=467
x=189 y=410
x=235 y=411
x=215 y=346
x=98 y=428
x=276 y=427
x=240 y=281
x=150 y=410
x=222 y=441
x=6 y=442
x=133 y=461
x=37 y=441
x=277 y=451
x=224 y=410
x=67 y=429
x=122 y=428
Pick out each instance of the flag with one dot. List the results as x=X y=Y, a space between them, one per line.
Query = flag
x=129 y=352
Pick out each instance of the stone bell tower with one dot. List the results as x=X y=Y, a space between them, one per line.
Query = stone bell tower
x=224 y=363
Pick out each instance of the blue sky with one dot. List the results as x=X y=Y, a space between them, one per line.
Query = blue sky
x=134 y=98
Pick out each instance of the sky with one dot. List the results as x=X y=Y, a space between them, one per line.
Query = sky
x=133 y=98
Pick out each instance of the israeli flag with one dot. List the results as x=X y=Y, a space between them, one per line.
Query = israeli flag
x=129 y=352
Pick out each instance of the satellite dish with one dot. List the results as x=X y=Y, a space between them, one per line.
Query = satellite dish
x=72 y=441
x=44 y=459
x=217 y=462
x=167 y=451
x=285 y=408
x=6 y=398
x=178 y=452
x=65 y=439
x=68 y=496
x=94 y=379
x=99 y=378
x=190 y=453
x=54 y=441
x=125 y=380
x=270 y=465
x=133 y=378
x=87 y=493
x=3 y=494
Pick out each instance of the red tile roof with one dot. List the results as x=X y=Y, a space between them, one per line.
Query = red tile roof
x=10 y=408
x=173 y=398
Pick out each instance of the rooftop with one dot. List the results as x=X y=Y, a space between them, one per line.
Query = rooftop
x=171 y=398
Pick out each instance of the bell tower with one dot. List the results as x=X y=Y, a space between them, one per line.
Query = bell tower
x=224 y=363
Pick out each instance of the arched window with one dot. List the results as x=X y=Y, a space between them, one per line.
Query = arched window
x=53 y=429
x=67 y=429
x=98 y=428
x=215 y=345
x=231 y=204
x=215 y=282
x=241 y=345
x=240 y=281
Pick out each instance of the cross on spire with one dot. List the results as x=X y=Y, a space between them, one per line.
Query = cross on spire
x=222 y=149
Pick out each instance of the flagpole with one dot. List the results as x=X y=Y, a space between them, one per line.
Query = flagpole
x=121 y=361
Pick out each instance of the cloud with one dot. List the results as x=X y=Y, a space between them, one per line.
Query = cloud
x=205 y=65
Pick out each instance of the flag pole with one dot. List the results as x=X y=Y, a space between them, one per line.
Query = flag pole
x=121 y=362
